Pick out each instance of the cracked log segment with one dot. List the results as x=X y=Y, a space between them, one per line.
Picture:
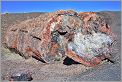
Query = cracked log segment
x=84 y=37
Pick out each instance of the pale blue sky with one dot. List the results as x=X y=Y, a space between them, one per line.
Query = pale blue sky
x=50 y=6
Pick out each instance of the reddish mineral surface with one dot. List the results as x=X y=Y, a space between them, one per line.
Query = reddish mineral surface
x=84 y=37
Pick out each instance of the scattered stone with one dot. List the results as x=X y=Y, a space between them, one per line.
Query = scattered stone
x=22 y=77
x=18 y=77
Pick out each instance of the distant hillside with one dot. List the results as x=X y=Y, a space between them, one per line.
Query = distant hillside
x=13 y=18
x=111 y=16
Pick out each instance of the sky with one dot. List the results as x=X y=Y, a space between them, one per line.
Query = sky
x=51 y=6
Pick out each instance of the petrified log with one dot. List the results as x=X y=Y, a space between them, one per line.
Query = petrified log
x=84 y=37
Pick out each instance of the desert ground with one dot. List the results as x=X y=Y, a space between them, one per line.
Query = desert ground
x=12 y=63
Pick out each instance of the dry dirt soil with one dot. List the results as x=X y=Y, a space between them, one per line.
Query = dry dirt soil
x=12 y=64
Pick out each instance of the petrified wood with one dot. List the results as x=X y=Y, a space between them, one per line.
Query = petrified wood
x=84 y=37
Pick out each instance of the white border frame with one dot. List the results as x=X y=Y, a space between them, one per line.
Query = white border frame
x=58 y=0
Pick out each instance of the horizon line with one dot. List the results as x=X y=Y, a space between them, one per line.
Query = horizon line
x=61 y=9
